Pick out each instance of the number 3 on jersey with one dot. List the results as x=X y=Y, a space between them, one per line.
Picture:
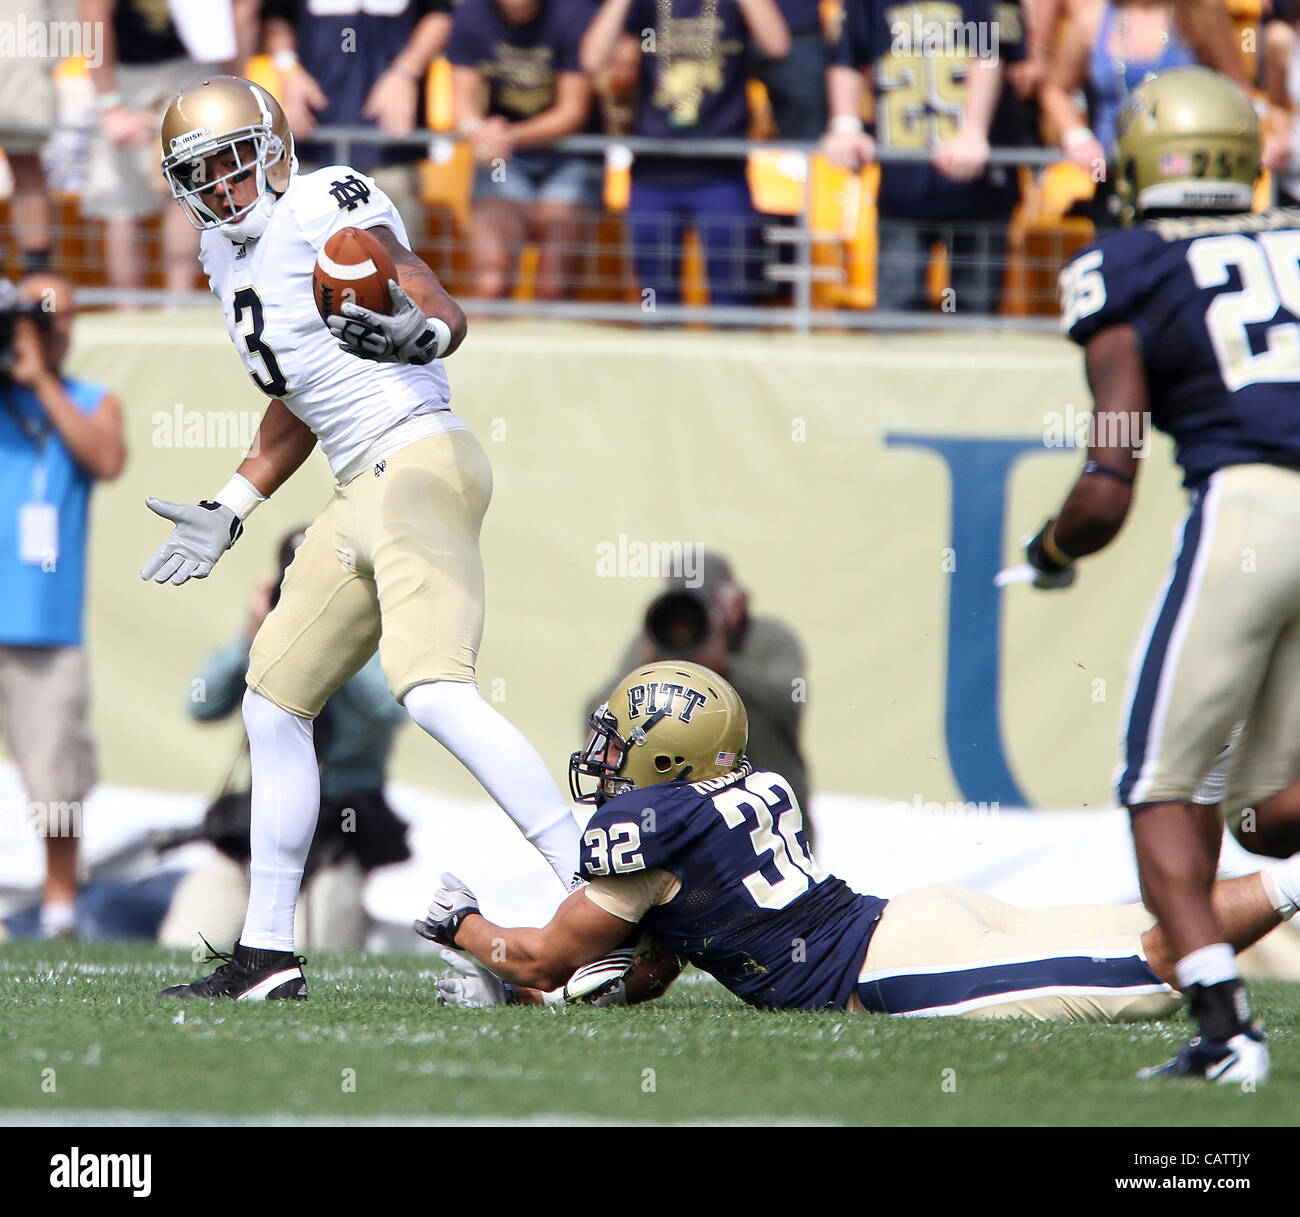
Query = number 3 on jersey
x=780 y=838
x=248 y=303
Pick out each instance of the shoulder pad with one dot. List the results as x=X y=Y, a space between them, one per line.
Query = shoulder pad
x=1105 y=283
x=339 y=196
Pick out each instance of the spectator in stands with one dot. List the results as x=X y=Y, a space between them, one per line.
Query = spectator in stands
x=145 y=62
x=516 y=87
x=1280 y=72
x=356 y=830
x=353 y=64
x=27 y=100
x=796 y=83
x=957 y=197
x=1107 y=52
x=710 y=624
x=58 y=436
x=693 y=65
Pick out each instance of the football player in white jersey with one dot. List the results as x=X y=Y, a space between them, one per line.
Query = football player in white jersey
x=393 y=560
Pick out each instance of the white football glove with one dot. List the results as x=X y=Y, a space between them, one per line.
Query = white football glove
x=451 y=904
x=407 y=336
x=1040 y=569
x=203 y=532
x=473 y=987
x=1045 y=581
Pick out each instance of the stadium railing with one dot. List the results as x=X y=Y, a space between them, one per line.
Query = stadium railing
x=818 y=229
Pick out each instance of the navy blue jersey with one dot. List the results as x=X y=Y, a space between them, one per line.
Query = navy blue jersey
x=753 y=909
x=1215 y=302
x=919 y=53
x=346 y=45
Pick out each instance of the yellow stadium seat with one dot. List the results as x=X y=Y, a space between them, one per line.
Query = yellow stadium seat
x=438 y=96
x=778 y=181
x=449 y=182
x=261 y=71
x=762 y=124
x=1248 y=17
x=843 y=226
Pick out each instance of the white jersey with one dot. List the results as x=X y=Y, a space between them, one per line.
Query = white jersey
x=265 y=288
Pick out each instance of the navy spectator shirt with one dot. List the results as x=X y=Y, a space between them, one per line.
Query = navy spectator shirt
x=919 y=55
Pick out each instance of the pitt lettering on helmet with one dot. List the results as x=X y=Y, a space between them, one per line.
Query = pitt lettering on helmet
x=644 y=698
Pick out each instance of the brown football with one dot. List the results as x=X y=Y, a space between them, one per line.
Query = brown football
x=352 y=268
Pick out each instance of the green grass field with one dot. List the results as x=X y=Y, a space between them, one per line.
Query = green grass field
x=372 y=1046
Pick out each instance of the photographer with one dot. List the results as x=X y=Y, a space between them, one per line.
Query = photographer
x=710 y=624
x=57 y=437
x=356 y=830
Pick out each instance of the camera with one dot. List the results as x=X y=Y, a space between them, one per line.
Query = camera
x=13 y=305
x=678 y=622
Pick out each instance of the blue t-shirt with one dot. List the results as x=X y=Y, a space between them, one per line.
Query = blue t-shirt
x=345 y=46
x=41 y=604
x=521 y=64
x=801 y=16
x=693 y=74
x=1110 y=82
x=753 y=909
x=920 y=54
x=1218 y=343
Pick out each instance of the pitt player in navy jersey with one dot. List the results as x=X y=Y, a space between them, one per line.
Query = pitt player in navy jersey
x=706 y=856
x=1191 y=319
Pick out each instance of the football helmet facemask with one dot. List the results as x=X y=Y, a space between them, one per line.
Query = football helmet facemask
x=218 y=115
x=665 y=722
x=1187 y=141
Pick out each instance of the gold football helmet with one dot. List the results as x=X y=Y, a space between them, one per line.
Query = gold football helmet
x=220 y=114
x=1187 y=141
x=665 y=722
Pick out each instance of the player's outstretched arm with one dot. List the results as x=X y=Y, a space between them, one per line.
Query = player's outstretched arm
x=282 y=443
x=204 y=531
x=1096 y=507
x=579 y=933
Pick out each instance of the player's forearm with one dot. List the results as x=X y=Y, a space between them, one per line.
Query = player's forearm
x=422 y=285
x=597 y=47
x=519 y=956
x=282 y=443
x=95 y=441
x=1092 y=515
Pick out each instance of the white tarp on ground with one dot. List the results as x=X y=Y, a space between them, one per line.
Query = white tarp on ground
x=1027 y=858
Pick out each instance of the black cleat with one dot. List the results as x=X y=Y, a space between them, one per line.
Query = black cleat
x=248 y=975
x=1243 y=1058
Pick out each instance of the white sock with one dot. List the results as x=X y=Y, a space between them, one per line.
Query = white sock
x=57 y=918
x=1206 y=966
x=286 y=802
x=505 y=763
x=1282 y=886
